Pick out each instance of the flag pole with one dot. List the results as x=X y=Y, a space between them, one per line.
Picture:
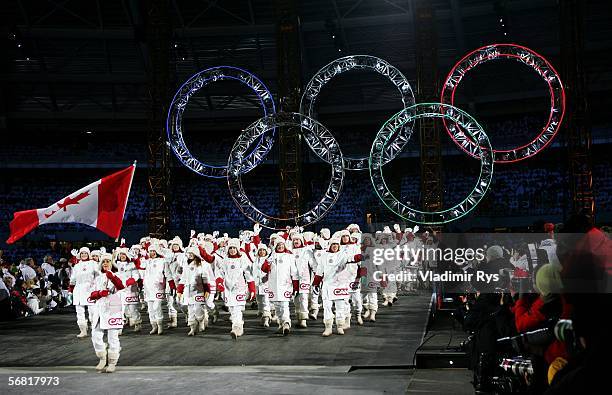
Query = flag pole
x=128 y=197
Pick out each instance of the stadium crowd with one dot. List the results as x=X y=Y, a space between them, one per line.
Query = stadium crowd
x=540 y=327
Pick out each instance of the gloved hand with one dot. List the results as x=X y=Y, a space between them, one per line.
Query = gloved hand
x=130 y=281
x=122 y=242
x=215 y=234
x=225 y=235
x=220 y=286
x=416 y=229
x=316 y=289
x=192 y=234
x=397 y=228
x=172 y=284
x=143 y=252
x=103 y=250
x=95 y=295
x=256 y=228
x=70 y=288
x=109 y=274
x=296 y=287
x=74 y=252
x=354 y=285
x=180 y=289
x=104 y=293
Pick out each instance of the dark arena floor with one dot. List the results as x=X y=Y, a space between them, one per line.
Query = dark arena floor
x=373 y=358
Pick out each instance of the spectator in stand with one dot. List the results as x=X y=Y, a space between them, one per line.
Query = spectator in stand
x=48 y=266
x=28 y=274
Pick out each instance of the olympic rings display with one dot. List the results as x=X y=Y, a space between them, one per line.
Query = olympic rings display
x=432 y=110
x=174 y=123
x=389 y=141
x=360 y=62
x=531 y=59
x=317 y=136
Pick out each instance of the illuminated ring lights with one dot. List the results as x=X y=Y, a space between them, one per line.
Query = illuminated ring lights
x=317 y=136
x=458 y=117
x=174 y=123
x=360 y=62
x=531 y=59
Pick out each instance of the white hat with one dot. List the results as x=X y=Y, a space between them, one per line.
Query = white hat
x=262 y=246
x=122 y=250
x=84 y=249
x=195 y=251
x=163 y=243
x=154 y=247
x=351 y=226
x=144 y=239
x=309 y=236
x=298 y=236
x=334 y=240
x=96 y=253
x=278 y=241
x=176 y=241
x=105 y=256
x=325 y=233
x=344 y=232
x=136 y=247
x=356 y=235
x=233 y=243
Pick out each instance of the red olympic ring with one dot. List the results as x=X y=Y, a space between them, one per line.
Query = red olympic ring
x=528 y=57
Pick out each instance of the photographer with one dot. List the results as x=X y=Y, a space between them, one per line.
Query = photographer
x=489 y=318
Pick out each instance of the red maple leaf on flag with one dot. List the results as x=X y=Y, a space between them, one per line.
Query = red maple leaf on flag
x=69 y=201
x=49 y=215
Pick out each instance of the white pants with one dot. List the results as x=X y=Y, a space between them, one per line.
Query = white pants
x=195 y=313
x=155 y=311
x=97 y=338
x=282 y=311
x=371 y=301
x=236 y=314
x=328 y=314
x=171 y=300
x=132 y=313
x=80 y=310
x=263 y=305
x=356 y=302
x=301 y=306
x=314 y=301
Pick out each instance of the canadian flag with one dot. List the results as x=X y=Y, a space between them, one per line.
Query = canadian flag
x=100 y=204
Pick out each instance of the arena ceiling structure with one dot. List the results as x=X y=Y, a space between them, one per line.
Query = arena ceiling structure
x=71 y=64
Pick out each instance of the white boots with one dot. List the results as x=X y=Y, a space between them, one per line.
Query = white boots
x=237 y=330
x=340 y=326
x=359 y=319
x=102 y=355
x=113 y=357
x=83 y=329
x=347 y=322
x=284 y=328
x=366 y=315
x=328 y=328
x=302 y=317
x=266 y=322
x=373 y=316
x=313 y=314
x=173 y=322
x=154 y=326
x=137 y=326
x=160 y=327
x=193 y=328
x=204 y=322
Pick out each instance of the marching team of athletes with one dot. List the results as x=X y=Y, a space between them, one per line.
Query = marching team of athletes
x=332 y=271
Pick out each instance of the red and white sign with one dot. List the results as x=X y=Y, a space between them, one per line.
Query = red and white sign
x=100 y=204
x=341 y=291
